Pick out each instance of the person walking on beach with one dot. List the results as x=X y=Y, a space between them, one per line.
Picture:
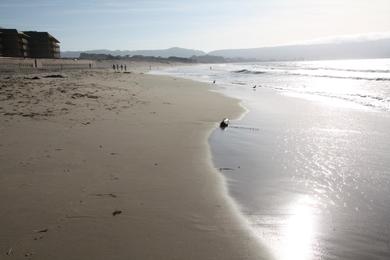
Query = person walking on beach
x=125 y=67
x=113 y=67
x=121 y=67
x=117 y=67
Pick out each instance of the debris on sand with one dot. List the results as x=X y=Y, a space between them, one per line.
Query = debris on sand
x=91 y=96
x=54 y=76
x=10 y=251
x=80 y=95
x=42 y=230
x=77 y=95
x=226 y=169
x=28 y=254
x=106 y=195
x=33 y=78
x=116 y=212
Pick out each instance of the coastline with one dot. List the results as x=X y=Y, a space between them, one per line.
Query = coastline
x=309 y=173
x=149 y=160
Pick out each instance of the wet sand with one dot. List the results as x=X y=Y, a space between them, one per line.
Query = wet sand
x=310 y=175
x=102 y=165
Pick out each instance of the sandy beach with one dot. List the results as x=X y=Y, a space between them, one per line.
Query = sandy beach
x=102 y=165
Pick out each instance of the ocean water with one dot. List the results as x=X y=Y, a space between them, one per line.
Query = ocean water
x=309 y=163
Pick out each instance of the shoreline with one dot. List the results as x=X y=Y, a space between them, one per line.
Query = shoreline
x=55 y=182
x=285 y=164
x=268 y=213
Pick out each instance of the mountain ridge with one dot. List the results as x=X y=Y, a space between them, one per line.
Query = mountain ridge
x=164 y=53
x=341 y=50
x=379 y=48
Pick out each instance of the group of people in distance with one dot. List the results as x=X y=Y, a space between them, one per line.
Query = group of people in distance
x=117 y=67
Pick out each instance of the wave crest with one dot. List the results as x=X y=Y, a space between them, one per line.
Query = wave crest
x=245 y=71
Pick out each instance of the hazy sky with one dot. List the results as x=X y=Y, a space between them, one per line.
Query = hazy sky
x=200 y=24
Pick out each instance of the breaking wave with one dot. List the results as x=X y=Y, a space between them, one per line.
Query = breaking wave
x=341 y=77
x=294 y=73
x=245 y=71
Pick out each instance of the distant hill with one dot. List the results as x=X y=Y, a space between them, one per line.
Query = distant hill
x=368 y=49
x=165 y=53
x=344 y=50
x=192 y=59
x=93 y=56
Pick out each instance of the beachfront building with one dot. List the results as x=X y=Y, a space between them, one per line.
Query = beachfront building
x=1 y=46
x=42 y=45
x=29 y=44
x=13 y=43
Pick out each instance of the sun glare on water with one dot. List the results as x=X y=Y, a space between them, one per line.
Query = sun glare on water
x=298 y=233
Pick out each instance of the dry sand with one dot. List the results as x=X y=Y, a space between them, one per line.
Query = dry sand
x=104 y=165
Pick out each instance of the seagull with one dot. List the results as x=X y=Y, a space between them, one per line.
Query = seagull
x=224 y=123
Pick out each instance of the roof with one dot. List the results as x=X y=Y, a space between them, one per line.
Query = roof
x=54 y=39
x=8 y=30
x=4 y=30
x=46 y=33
